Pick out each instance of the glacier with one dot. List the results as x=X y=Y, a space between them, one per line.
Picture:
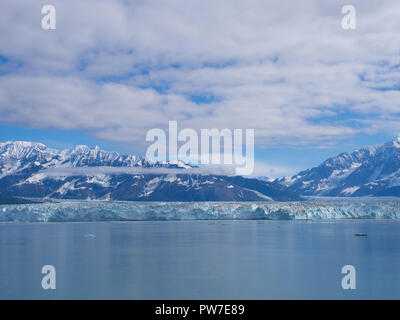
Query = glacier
x=84 y=211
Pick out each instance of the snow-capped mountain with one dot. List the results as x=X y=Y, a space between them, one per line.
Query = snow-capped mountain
x=33 y=170
x=18 y=155
x=370 y=171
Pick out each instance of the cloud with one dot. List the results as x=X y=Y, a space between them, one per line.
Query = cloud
x=273 y=170
x=90 y=171
x=260 y=169
x=117 y=69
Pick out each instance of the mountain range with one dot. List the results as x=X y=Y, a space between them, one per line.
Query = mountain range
x=32 y=170
x=369 y=171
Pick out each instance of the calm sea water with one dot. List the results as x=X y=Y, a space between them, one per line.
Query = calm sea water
x=201 y=260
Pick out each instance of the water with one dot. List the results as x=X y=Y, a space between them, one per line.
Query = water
x=201 y=259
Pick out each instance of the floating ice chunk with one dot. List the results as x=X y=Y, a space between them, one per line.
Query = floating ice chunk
x=90 y=235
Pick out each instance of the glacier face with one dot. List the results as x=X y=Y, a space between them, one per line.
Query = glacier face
x=73 y=211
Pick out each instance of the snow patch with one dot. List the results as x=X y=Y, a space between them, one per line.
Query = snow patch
x=349 y=191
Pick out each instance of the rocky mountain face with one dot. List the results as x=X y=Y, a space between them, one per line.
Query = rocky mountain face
x=33 y=170
x=370 y=171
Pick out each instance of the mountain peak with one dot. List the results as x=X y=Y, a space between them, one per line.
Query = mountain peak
x=86 y=149
x=81 y=148
x=38 y=155
x=23 y=144
x=396 y=142
x=369 y=171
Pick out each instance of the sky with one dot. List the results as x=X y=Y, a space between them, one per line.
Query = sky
x=112 y=70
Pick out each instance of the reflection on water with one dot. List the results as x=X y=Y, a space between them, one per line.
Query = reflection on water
x=201 y=259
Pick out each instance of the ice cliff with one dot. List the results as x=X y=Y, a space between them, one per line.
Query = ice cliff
x=65 y=211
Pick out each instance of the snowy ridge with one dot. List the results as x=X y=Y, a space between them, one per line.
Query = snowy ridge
x=370 y=171
x=19 y=155
x=33 y=170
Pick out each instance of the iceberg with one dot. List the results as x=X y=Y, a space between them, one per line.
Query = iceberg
x=74 y=211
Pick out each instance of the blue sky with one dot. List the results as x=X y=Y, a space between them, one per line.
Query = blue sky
x=112 y=70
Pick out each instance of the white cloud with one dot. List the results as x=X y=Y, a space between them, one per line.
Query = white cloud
x=78 y=171
x=273 y=170
x=276 y=66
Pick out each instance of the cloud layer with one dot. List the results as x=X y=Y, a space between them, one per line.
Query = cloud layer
x=119 y=68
